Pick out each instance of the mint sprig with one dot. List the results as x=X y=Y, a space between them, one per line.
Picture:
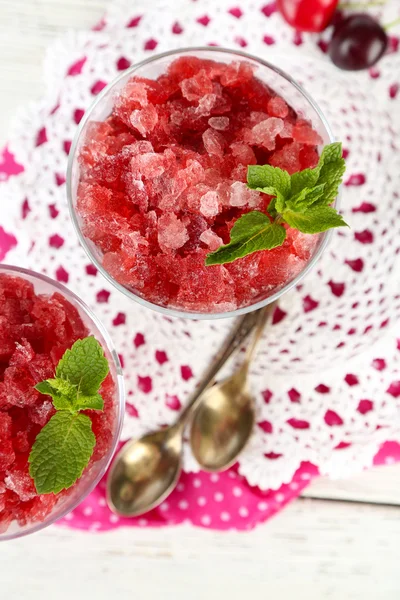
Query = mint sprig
x=301 y=200
x=63 y=447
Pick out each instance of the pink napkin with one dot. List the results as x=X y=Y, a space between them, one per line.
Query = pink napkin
x=217 y=501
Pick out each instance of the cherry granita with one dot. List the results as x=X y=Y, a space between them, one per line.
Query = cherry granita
x=35 y=331
x=163 y=180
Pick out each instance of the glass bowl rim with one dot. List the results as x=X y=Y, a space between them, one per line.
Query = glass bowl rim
x=120 y=404
x=175 y=312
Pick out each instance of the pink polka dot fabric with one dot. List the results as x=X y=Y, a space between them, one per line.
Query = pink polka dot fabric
x=211 y=500
x=220 y=501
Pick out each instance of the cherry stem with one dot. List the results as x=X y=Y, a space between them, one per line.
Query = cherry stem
x=350 y=5
x=392 y=24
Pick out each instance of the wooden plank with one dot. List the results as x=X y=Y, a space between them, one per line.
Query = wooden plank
x=380 y=485
x=311 y=551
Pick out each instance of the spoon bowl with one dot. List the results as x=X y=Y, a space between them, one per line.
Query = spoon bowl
x=222 y=424
x=145 y=472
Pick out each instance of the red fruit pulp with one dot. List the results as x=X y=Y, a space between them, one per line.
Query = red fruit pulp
x=308 y=15
x=163 y=180
x=35 y=331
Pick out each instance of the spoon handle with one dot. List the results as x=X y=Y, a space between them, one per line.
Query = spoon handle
x=259 y=327
x=234 y=340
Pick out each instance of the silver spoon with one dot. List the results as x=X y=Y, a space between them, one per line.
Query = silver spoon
x=146 y=470
x=224 y=419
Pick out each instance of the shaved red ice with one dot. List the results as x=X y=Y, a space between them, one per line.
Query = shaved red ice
x=35 y=332
x=163 y=180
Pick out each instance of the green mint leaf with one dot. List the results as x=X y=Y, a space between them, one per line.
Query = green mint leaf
x=270 y=191
x=44 y=387
x=63 y=403
x=61 y=386
x=61 y=452
x=295 y=202
x=331 y=153
x=314 y=195
x=331 y=170
x=272 y=208
x=315 y=219
x=303 y=179
x=249 y=222
x=279 y=202
x=268 y=179
x=276 y=205
x=62 y=392
x=94 y=402
x=84 y=365
x=67 y=396
x=252 y=232
x=306 y=198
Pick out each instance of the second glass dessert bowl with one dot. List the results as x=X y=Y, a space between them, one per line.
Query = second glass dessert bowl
x=43 y=319
x=157 y=177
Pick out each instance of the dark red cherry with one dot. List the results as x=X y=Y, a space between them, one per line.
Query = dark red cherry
x=307 y=15
x=358 y=42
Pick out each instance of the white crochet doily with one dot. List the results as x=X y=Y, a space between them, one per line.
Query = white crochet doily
x=326 y=377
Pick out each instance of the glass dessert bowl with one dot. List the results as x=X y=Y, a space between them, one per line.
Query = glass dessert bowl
x=157 y=178
x=39 y=320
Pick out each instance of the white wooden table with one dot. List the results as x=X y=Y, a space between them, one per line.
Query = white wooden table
x=340 y=541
